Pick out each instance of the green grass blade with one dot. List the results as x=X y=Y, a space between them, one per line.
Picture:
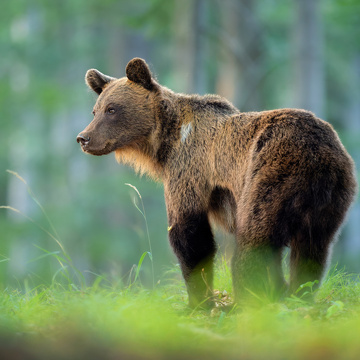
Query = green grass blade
x=147 y=230
x=139 y=265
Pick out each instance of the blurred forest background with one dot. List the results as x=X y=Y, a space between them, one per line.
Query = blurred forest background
x=260 y=54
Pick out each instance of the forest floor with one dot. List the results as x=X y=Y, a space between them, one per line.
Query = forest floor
x=132 y=322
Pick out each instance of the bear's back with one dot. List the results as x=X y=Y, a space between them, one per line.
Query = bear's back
x=284 y=141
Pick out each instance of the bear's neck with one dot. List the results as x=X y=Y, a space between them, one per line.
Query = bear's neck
x=172 y=115
x=178 y=114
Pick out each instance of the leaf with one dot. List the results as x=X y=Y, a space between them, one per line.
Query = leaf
x=139 y=264
x=335 y=309
x=44 y=255
x=309 y=285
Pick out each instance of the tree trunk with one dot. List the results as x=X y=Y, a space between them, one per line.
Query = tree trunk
x=309 y=86
x=190 y=45
x=229 y=69
x=352 y=229
x=241 y=40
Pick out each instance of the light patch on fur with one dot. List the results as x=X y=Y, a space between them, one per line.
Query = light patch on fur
x=185 y=131
x=141 y=163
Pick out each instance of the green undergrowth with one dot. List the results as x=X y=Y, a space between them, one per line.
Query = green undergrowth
x=71 y=320
x=136 y=323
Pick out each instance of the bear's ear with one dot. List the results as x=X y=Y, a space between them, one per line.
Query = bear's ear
x=138 y=71
x=96 y=80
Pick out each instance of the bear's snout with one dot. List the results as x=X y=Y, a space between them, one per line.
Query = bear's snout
x=82 y=138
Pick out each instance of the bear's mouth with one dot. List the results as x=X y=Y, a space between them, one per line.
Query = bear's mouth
x=107 y=149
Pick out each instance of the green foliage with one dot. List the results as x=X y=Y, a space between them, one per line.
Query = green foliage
x=68 y=318
x=117 y=322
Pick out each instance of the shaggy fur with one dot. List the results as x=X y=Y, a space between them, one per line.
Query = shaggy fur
x=273 y=179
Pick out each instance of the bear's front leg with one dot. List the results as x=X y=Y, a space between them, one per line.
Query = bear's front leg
x=193 y=243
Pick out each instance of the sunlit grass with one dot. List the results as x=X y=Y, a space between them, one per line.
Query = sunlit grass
x=133 y=322
x=70 y=319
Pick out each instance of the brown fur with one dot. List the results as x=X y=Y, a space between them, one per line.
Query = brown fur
x=274 y=178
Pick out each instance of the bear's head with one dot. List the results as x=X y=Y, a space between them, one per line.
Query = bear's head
x=124 y=113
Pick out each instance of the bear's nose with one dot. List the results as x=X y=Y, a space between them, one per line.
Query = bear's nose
x=83 y=139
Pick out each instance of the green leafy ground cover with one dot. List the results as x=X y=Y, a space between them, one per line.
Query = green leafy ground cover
x=70 y=320
x=131 y=322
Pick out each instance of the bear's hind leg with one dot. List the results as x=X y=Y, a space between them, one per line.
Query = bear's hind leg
x=308 y=260
x=257 y=274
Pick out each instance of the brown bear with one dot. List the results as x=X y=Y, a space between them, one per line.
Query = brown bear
x=273 y=178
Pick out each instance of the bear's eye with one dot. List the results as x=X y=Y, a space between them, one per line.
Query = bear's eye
x=110 y=110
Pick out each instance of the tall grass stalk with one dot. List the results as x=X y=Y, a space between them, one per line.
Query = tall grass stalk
x=150 y=253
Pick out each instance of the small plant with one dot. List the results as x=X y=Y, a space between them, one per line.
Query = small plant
x=306 y=289
x=335 y=309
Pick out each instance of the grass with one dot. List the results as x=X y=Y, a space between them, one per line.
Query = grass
x=70 y=320
x=136 y=323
